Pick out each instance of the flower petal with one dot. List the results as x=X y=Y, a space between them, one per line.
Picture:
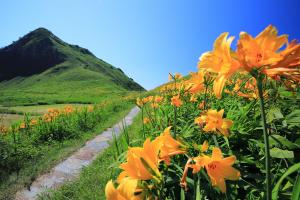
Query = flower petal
x=216 y=154
x=111 y=192
x=219 y=85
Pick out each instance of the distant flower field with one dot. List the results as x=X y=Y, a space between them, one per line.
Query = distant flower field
x=26 y=144
x=228 y=131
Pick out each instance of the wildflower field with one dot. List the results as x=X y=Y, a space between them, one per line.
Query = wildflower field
x=228 y=131
x=35 y=144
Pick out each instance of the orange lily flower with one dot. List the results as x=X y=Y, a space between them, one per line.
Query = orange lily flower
x=52 y=112
x=146 y=120
x=289 y=66
x=142 y=162
x=217 y=167
x=68 y=109
x=220 y=61
x=158 y=99
x=196 y=82
x=264 y=51
x=201 y=105
x=90 y=108
x=177 y=76
x=154 y=105
x=22 y=125
x=127 y=190
x=147 y=99
x=176 y=101
x=33 y=122
x=139 y=102
x=228 y=91
x=214 y=122
x=237 y=85
x=167 y=146
x=193 y=98
x=200 y=120
x=204 y=146
x=261 y=50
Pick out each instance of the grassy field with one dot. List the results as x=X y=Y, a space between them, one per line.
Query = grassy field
x=15 y=114
x=51 y=152
x=74 y=85
x=91 y=183
x=7 y=119
x=37 y=109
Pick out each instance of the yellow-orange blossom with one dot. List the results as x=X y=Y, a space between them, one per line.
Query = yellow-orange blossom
x=142 y=164
x=217 y=167
x=127 y=190
x=220 y=61
x=214 y=121
x=261 y=53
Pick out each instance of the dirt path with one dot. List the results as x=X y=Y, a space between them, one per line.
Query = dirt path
x=70 y=168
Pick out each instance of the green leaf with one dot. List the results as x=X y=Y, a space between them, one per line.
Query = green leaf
x=276 y=140
x=280 y=153
x=287 y=186
x=284 y=93
x=258 y=143
x=273 y=114
x=293 y=119
x=247 y=159
x=297 y=142
x=296 y=189
x=291 y=170
x=188 y=131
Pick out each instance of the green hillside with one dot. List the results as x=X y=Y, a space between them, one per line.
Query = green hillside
x=71 y=75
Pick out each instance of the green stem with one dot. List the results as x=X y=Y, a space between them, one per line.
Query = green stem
x=175 y=111
x=198 y=195
x=266 y=138
x=175 y=120
x=205 y=97
x=15 y=141
x=155 y=117
x=215 y=140
x=143 y=122
x=195 y=186
x=150 y=118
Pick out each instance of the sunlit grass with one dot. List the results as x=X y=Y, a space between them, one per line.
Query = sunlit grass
x=51 y=152
x=92 y=180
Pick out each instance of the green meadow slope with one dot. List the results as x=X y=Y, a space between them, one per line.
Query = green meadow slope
x=40 y=68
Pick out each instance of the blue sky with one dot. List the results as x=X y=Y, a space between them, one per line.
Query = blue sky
x=147 y=39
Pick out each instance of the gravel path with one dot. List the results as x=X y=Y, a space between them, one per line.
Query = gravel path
x=70 y=168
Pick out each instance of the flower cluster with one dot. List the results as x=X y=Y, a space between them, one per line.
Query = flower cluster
x=262 y=54
x=201 y=155
x=142 y=165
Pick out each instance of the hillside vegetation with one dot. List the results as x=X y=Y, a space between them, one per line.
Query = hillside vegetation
x=40 y=68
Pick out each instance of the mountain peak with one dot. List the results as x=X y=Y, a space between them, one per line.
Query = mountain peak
x=33 y=53
x=38 y=35
x=41 y=32
x=41 y=51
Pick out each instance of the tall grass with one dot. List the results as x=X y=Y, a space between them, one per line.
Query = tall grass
x=34 y=145
x=93 y=178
